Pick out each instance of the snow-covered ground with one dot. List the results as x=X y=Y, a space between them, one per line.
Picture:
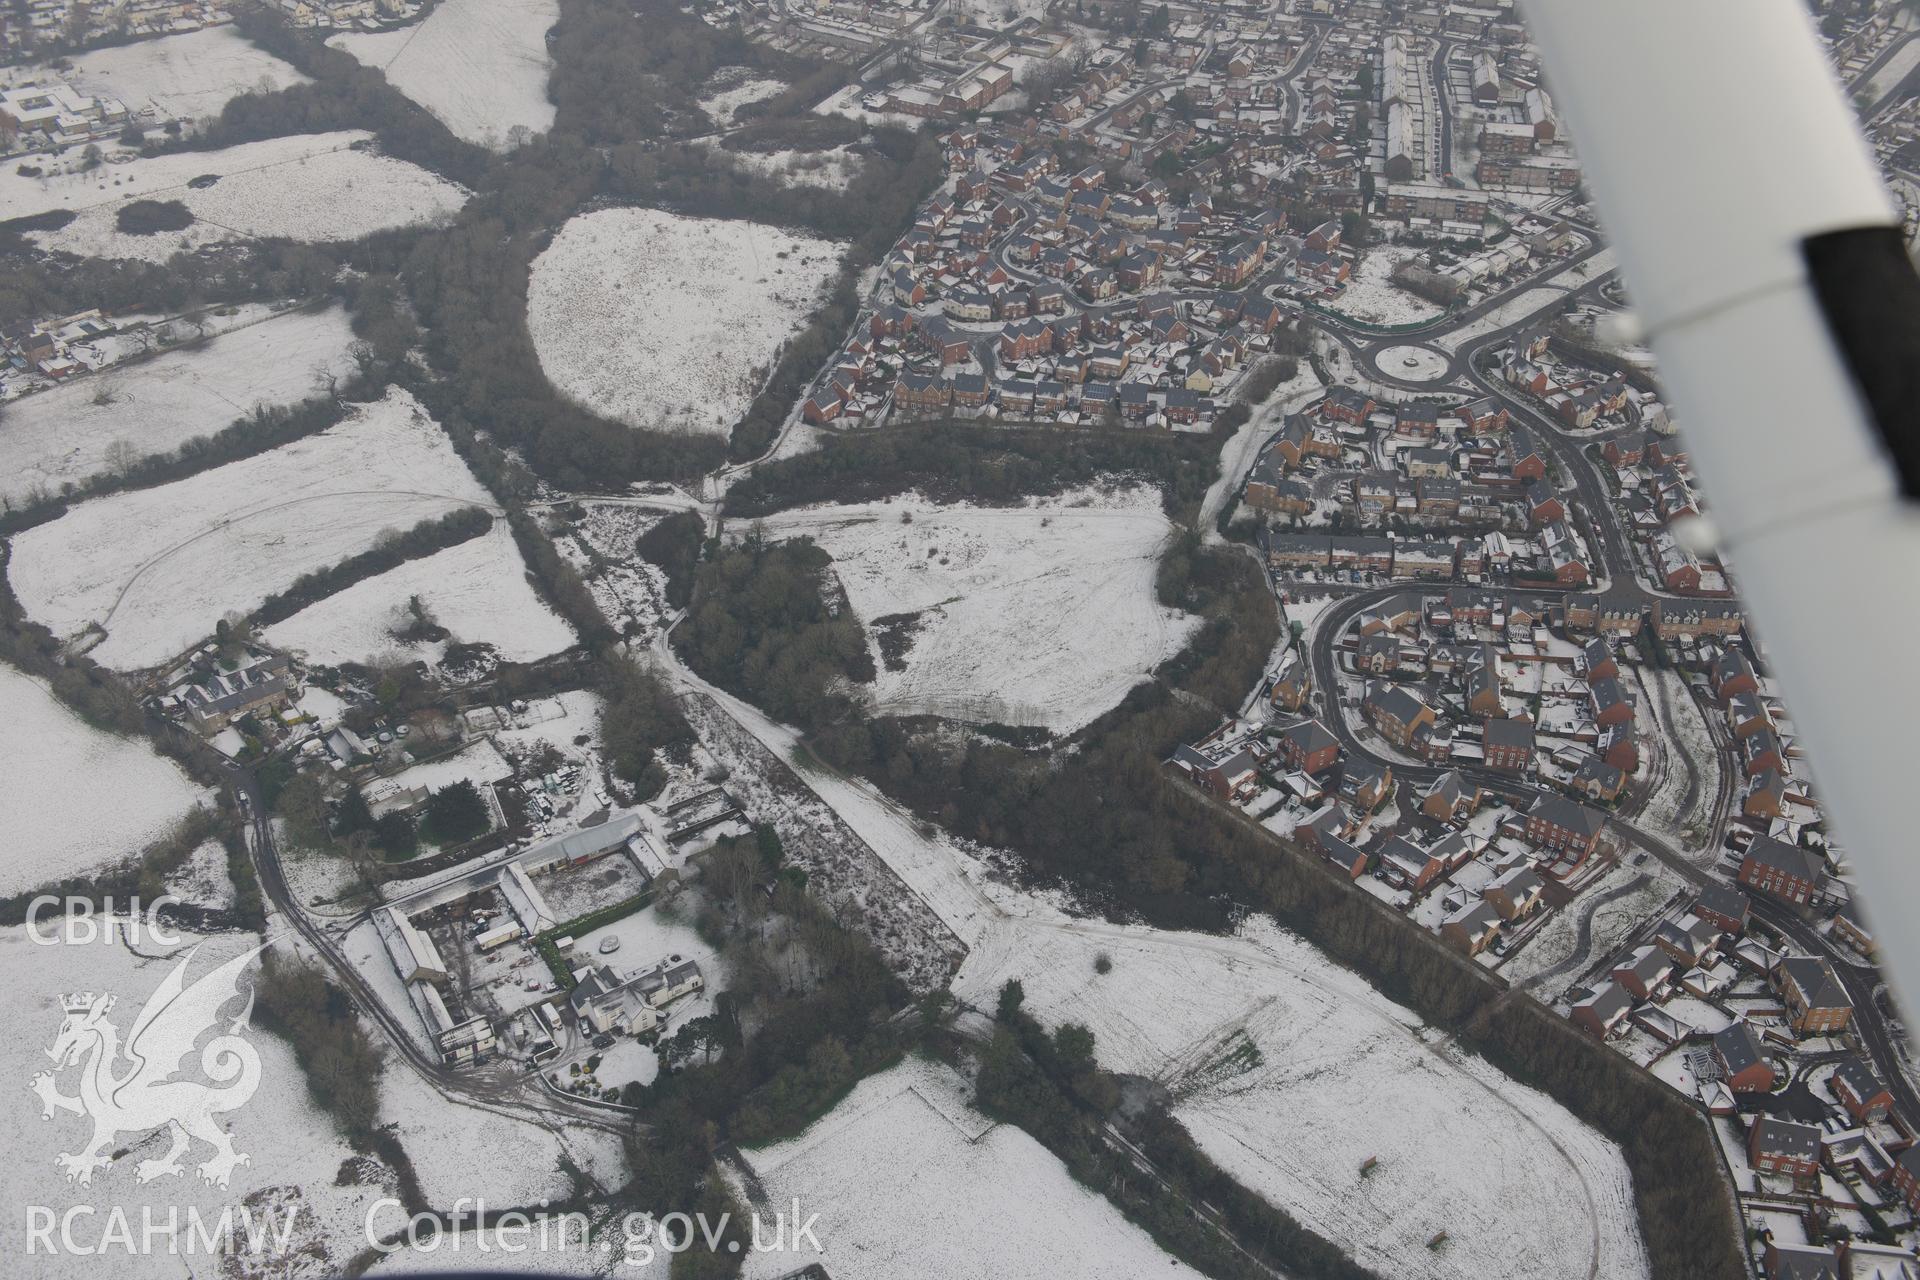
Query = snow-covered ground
x=556 y=722
x=731 y=89
x=72 y=798
x=157 y=568
x=658 y=320
x=1412 y=363
x=184 y=77
x=480 y=1152
x=1372 y=296
x=295 y=1156
x=631 y=592
x=203 y=879
x=1606 y=912
x=1242 y=450
x=312 y=187
x=994 y=13
x=1333 y=1079
x=299 y=1169
x=908 y=1180
x=1039 y=615
x=479 y=66
x=1520 y=1185
x=832 y=169
x=477 y=590
x=70 y=432
x=847 y=102
x=1683 y=738
x=1512 y=311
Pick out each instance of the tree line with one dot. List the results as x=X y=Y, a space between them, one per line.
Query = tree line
x=1050 y=1085
x=809 y=1012
x=962 y=460
x=390 y=550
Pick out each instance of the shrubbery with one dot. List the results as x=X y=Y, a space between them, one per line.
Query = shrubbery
x=150 y=217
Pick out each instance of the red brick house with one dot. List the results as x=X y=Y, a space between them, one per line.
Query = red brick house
x=1603 y=1013
x=1732 y=675
x=1325 y=237
x=922 y=393
x=1597 y=657
x=1860 y=1091
x=1724 y=907
x=1344 y=404
x=1645 y=974
x=1543 y=504
x=1905 y=1177
x=1309 y=747
x=1623 y=451
x=1562 y=824
x=1232 y=776
x=1508 y=744
x=1619 y=749
x=1782 y=1146
x=1406 y=864
x=1784 y=870
x=1817 y=1004
x=1515 y=893
x=1609 y=702
x=1744 y=1065
x=1397 y=714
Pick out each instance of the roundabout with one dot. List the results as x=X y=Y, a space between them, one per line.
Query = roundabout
x=1411 y=363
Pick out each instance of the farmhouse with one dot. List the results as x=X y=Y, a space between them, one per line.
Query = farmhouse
x=218 y=698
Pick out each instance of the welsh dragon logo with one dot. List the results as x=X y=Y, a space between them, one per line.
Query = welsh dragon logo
x=131 y=1089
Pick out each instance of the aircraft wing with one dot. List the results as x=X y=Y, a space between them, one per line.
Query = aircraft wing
x=1764 y=260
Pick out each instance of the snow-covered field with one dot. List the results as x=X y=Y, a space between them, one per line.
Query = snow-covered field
x=730 y=92
x=1040 y=615
x=1520 y=1185
x=157 y=568
x=831 y=169
x=295 y=1155
x=477 y=590
x=1291 y=1072
x=1372 y=296
x=908 y=1180
x=72 y=798
x=658 y=320
x=473 y=1151
x=479 y=66
x=312 y=187
x=184 y=77
x=299 y=1169
x=70 y=432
